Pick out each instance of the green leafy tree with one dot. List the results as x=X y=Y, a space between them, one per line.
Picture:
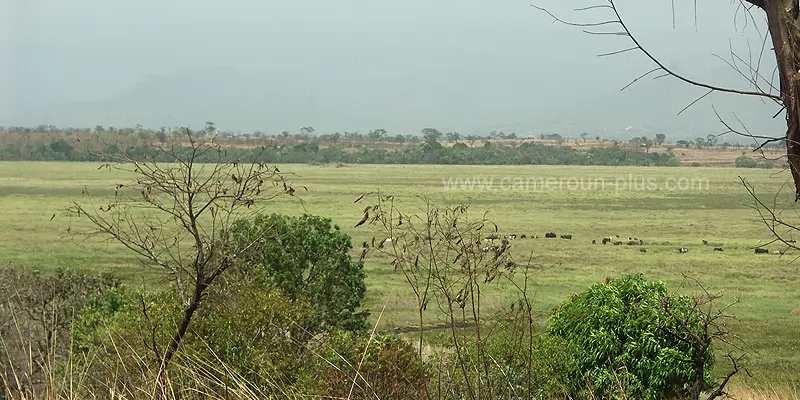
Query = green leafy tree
x=377 y=135
x=61 y=146
x=431 y=136
x=700 y=142
x=626 y=336
x=660 y=139
x=306 y=258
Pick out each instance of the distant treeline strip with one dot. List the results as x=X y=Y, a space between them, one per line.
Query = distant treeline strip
x=312 y=153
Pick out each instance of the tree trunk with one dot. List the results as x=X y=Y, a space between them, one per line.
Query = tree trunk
x=188 y=312
x=783 y=27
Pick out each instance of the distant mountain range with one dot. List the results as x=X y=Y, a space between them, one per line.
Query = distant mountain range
x=247 y=101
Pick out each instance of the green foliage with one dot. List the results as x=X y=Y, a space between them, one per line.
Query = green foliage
x=521 y=366
x=306 y=258
x=744 y=161
x=624 y=343
x=22 y=144
x=258 y=333
x=116 y=307
x=383 y=367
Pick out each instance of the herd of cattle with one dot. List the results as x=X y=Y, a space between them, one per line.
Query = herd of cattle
x=616 y=241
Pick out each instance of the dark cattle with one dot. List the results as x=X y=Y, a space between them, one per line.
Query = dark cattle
x=523 y=236
x=550 y=235
x=633 y=243
x=608 y=239
x=617 y=243
x=683 y=250
x=566 y=236
x=594 y=241
x=705 y=242
x=759 y=250
x=643 y=250
x=718 y=249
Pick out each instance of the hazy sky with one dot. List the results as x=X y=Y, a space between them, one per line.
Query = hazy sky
x=355 y=65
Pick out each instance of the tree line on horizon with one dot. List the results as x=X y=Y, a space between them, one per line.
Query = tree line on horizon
x=49 y=143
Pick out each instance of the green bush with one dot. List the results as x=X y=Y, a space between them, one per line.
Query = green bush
x=519 y=367
x=306 y=258
x=257 y=333
x=388 y=369
x=743 y=161
x=625 y=344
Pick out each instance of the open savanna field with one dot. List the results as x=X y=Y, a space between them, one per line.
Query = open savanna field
x=668 y=208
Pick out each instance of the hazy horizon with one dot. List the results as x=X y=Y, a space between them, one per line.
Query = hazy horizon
x=355 y=65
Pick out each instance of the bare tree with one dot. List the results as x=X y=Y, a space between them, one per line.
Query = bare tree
x=703 y=324
x=176 y=215
x=782 y=20
x=448 y=255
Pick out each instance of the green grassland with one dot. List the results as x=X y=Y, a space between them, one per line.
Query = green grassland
x=667 y=208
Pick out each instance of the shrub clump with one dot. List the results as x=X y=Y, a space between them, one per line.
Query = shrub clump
x=625 y=344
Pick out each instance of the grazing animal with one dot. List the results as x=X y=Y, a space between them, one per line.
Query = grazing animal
x=643 y=250
x=608 y=239
x=759 y=250
x=633 y=242
x=718 y=249
x=594 y=241
x=510 y=237
x=683 y=250
x=566 y=236
x=617 y=243
x=523 y=236
x=550 y=235
x=705 y=242
x=777 y=252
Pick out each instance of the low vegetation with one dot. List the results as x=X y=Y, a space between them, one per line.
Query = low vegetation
x=51 y=144
x=286 y=311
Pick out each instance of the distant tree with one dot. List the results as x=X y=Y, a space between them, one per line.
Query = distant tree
x=162 y=135
x=453 y=136
x=711 y=140
x=700 y=142
x=210 y=128
x=660 y=138
x=584 y=135
x=431 y=138
x=307 y=130
x=377 y=135
x=61 y=146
